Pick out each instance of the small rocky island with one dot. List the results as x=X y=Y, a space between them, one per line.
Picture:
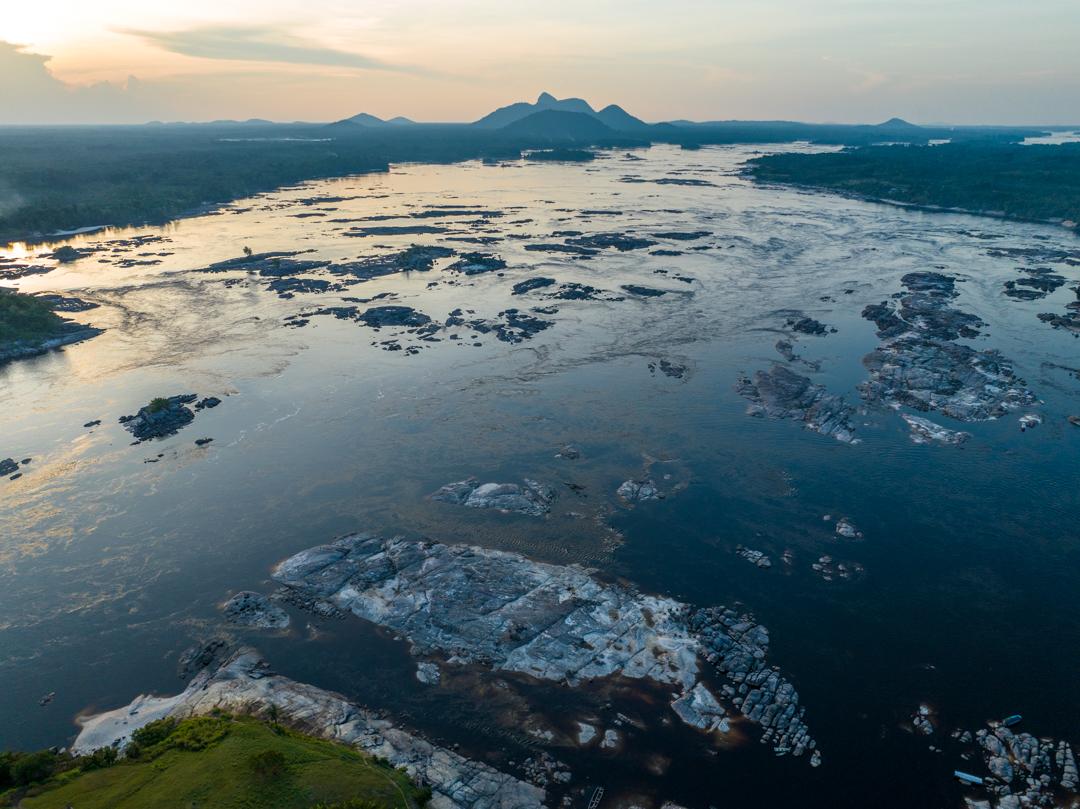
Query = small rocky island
x=165 y=416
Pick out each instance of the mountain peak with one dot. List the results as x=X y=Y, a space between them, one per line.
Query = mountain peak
x=544 y=99
x=898 y=123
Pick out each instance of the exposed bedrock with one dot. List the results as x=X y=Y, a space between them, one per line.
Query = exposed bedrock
x=783 y=394
x=920 y=364
x=505 y=612
x=531 y=497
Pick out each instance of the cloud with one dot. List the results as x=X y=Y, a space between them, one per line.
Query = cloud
x=31 y=94
x=258 y=44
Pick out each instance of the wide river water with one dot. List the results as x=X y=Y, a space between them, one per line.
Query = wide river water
x=112 y=565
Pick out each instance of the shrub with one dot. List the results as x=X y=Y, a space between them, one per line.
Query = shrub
x=32 y=767
x=105 y=757
x=268 y=765
x=158 y=404
x=154 y=732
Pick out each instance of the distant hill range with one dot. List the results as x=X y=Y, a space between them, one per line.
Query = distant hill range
x=364 y=119
x=613 y=116
x=573 y=121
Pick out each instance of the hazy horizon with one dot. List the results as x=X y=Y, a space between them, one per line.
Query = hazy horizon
x=846 y=61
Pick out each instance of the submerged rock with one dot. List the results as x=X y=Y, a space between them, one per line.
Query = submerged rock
x=619 y=241
x=380 y=316
x=807 y=325
x=244 y=684
x=644 y=292
x=847 y=529
x=783 y=394
x=428 y=673
x=638 y=491
x=417 y=258
x=924 y=431
x=551 y=622
x=532 y=498
x=254 y=610
x=530 y=284
x=477 y=264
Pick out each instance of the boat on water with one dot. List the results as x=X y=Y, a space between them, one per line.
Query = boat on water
x=967 y=778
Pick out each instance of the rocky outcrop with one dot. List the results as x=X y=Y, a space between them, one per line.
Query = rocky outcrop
x=531 y=497
x=254 y=610
x=161 y=418
x=920 y=364
x=924 y=431
x=507 y=613
x=244 y=684
x=783 y=394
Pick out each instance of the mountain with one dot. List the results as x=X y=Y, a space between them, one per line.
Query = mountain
x=616 y=117
x=366 y=119
x=559 y=125
x=613 y=116
x=522 y=109
x=897 y=123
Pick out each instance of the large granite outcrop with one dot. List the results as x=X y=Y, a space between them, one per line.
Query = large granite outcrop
x=505 y=612
x=244 y=684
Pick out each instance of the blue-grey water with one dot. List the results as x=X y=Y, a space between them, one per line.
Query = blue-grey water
x=111 y=566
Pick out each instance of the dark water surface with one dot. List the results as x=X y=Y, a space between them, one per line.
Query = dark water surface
x=110 y=567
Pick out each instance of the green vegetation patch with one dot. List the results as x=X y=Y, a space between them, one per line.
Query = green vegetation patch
x=1020 y=182
x=24 y=317
x=220 y=762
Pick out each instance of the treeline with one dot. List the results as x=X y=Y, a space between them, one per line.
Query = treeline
x=1021 y=182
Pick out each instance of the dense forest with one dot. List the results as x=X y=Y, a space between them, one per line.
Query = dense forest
x=1021 y=182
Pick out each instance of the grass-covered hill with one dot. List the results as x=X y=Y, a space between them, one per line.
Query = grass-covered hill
x=218 y=761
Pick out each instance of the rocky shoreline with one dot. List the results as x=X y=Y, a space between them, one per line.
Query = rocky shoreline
x=72 y=333
x=244 y=684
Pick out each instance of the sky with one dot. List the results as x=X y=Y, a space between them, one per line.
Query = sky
x=928 y=61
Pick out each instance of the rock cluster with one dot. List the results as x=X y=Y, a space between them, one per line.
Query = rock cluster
x=1025 y=770
x=737 y=646
x=243 y=684
x=783 y=394
x=920 y=364
x=752 y=556
x=531 y=497
x=558 y=623
x=829 y=569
